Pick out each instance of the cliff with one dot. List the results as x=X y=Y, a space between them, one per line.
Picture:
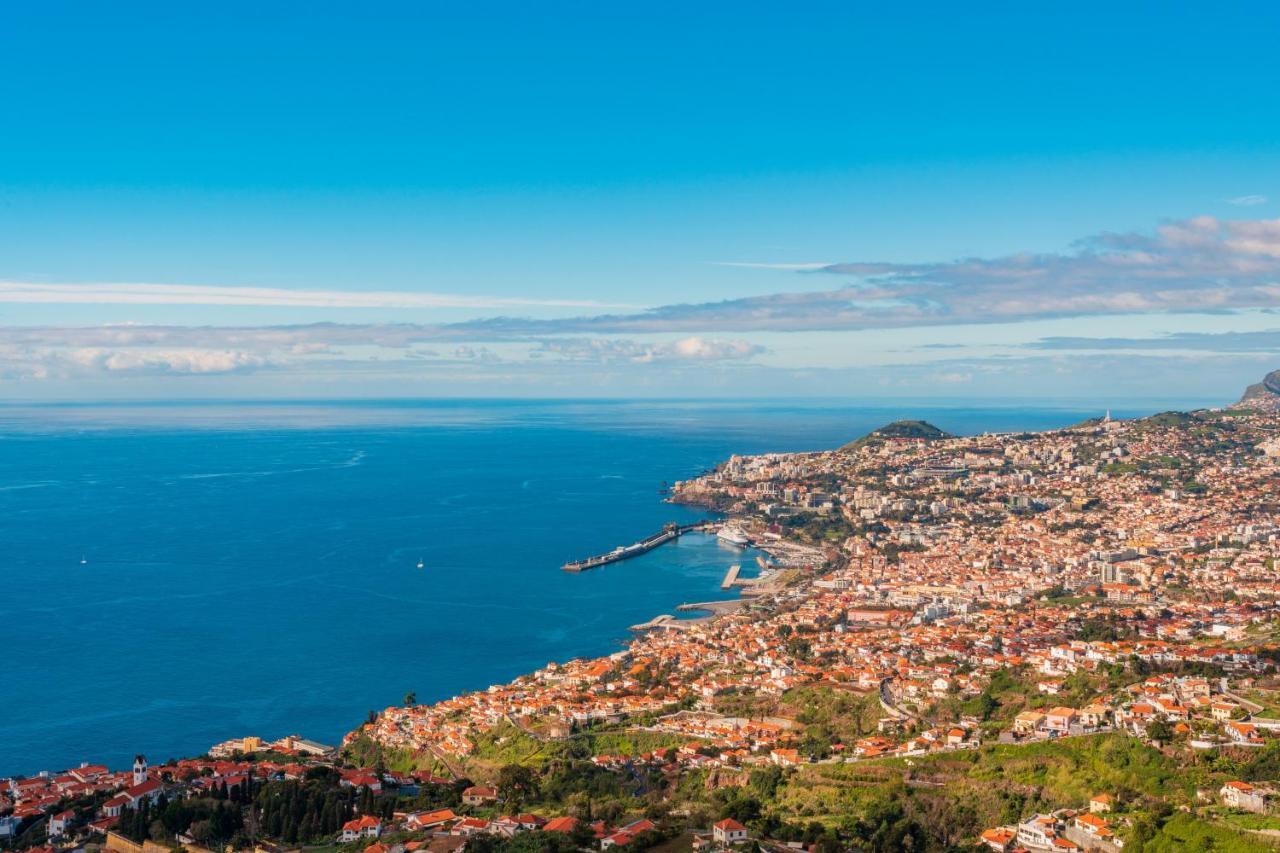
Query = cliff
x=1265 y=395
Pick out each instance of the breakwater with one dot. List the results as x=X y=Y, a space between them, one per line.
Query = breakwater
x=668 y=533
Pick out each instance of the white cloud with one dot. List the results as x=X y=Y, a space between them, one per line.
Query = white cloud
x=685 y=349
x=1191 y=265
x=188 y=361
x=97 y=293
x=1247 y=200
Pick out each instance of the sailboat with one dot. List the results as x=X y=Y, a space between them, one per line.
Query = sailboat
x=421 y=564
x=83 y=561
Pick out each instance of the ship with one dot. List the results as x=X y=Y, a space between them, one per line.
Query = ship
x=624 y=552
x=733 y=536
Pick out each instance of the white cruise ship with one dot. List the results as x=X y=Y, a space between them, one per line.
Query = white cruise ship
x=733 y=536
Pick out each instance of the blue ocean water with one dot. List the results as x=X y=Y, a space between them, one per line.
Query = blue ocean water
x=251 y=568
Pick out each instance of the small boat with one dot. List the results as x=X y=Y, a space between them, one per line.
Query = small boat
x=421 y=564
x=83 y=561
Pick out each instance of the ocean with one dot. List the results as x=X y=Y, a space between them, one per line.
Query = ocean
x=251 y=568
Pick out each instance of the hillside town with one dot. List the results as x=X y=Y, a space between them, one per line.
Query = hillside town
x=929 y=608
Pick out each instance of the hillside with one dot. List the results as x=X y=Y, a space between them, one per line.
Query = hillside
x=922 y=430
x=1265 y=395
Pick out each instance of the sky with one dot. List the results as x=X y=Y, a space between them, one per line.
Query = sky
x=961 y=201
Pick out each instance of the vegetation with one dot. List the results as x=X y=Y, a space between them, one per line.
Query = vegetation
x=899 y=429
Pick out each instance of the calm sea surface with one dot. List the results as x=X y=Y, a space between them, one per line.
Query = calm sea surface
x=251 y=568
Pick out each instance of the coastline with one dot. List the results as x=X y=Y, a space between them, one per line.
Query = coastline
x=365 y=560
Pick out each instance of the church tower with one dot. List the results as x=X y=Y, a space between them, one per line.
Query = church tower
x=139 y=769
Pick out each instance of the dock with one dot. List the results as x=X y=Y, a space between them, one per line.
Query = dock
x=730 y=576
x=668 y=533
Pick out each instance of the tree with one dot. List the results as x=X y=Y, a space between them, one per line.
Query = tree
x=516 y=783
x=1160 y=730
x=981 y=706
x=410 y=698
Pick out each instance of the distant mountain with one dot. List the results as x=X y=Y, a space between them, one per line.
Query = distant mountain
x=1265 y=395
x=922 y=430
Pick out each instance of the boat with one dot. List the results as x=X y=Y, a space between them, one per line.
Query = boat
x=83 y=561
x=421 y=564
x=733 y=536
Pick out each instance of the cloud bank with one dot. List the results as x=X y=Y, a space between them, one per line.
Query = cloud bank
x=191 y=294
x=1189 y=265
x=1196 y=265
x=685 y=349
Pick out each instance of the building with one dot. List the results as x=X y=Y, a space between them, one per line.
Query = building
x=729 y=831
x=1243 y=796
x=367 y=826
x=479 y=795
x=1001 y=838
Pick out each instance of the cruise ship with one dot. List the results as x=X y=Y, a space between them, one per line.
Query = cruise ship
x=733 y=536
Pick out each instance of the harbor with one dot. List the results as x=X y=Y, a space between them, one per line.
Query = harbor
x=669 y=533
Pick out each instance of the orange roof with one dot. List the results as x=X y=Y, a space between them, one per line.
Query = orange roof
x=560 y=824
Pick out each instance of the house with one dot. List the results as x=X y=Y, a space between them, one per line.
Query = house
x=729 y=831
x=479 y=795
x=1243 y=796
x=621 y=838
x=530 y=822
x=1222 y=710
x=561 y=824
x=1028 y=722
x=429 y=820
x=1245 y=734
x=469 y=826
x=358 y=779
x=505 y=826
x=1039 y=832
x=626 y=834
x=367 y=826
x=1094 y=826
x=88 y=772
x=1101 y=803
x=785 y=757
x=1001 y=838
x=1059 y=720
x=59 y=824
x=1095 y=715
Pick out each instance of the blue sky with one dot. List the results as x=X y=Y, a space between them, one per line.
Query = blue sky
x=730 y=199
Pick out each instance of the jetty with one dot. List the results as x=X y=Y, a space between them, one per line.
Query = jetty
x=625 y=552
x=730 y=576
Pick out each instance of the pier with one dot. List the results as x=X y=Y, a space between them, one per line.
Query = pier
x=730 y=576
x=625 y=552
